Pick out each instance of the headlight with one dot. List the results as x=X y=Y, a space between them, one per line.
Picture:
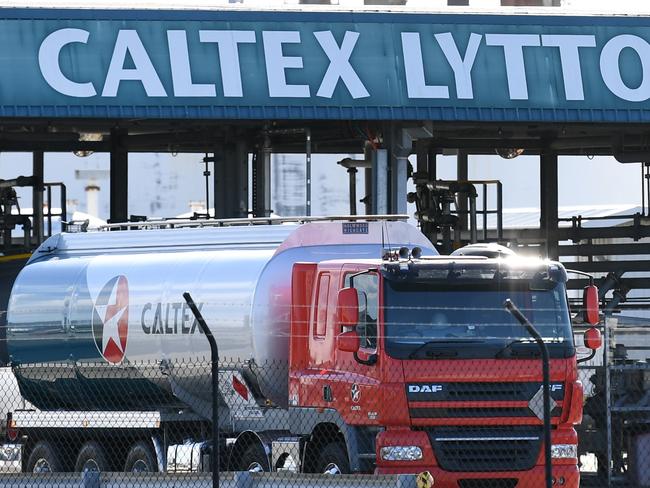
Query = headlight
x=401 y=453
x=564 y=451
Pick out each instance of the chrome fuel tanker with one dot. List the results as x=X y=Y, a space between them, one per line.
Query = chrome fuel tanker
x=335 y=352
x=94 y=306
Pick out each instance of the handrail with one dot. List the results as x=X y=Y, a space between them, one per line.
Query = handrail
x=172 y=223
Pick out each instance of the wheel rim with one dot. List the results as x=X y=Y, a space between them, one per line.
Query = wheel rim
x=255 y=467
x=332 y=468
x=140 y=466
x=42 y=465
x=90 y=466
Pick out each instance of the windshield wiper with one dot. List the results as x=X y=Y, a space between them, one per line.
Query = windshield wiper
x=534 y=352
x=442 y=342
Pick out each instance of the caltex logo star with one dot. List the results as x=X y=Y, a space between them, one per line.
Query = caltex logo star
x=111 y=319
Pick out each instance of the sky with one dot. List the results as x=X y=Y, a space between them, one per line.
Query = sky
x=602 y=6
x=622 y=6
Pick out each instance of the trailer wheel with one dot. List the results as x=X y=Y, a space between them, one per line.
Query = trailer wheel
x=140 y=459
x=91 y=458
x=44 y=459
x=254 y=459
x=333 y=459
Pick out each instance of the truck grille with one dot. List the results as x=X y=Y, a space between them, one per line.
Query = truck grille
x=470 y=412
x=477 y=392
x=474 y=400
x=485 y=448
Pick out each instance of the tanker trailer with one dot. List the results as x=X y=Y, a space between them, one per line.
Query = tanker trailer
x=92 y=312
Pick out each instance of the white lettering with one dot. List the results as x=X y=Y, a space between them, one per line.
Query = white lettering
x=462 y=66
x=513 y=51
x=340 y=67
x=570 y=59
x=48 y=61
x=228 y=42
x=277 y=63
x=416 y=86
x=611 y=72
x=129 y=42
x=179 y=59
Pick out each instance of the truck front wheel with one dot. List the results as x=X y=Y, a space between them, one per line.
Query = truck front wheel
x=333 y=459
x=44 y=459
x=91 y=458
x=140 y=459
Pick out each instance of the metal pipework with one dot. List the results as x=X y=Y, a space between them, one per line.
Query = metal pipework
x=352 y=165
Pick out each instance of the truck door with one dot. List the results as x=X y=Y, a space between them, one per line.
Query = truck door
x=335 y=379
x=359 y=376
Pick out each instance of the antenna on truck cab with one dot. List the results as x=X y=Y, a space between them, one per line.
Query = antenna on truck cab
x=386 y=253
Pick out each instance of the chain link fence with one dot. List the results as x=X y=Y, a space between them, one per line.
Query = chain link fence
x=439 y=415
x=149 y=424
x=614 y=434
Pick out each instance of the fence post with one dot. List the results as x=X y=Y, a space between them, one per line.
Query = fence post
x=214 y=359
x=546 y=398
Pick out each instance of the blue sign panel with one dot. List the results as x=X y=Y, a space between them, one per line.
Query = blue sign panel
x=256 y=65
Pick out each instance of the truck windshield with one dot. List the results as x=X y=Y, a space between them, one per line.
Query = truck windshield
x=428 y=320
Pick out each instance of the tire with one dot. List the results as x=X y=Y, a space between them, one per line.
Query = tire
x=141 y=459
x=333 y=459
x=254 y=459
x=91 y=457
x=44 y=459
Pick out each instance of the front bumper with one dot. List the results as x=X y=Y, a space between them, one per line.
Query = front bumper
x=11 y=458
x=484 y=457
x=565 y=476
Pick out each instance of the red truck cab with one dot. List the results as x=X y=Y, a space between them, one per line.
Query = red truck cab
x=421 y=353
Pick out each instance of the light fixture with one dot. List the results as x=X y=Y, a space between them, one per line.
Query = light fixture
x=509 y=153
x=88 y=137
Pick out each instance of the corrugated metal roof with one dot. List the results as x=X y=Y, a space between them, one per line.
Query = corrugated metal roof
x=529 y=217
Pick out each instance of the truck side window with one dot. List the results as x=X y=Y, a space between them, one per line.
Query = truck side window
x=366 y=285
x=320 y=324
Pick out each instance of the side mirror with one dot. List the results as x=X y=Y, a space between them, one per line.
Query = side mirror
x=590 y=305
x=347 y=309
x=593 y=339
x=348 y=341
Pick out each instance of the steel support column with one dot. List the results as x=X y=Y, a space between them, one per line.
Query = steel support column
x=398 y=184
x=38 y=163
x=549 y=202
x=400 y=145
x=119 y=178
x=231 y=181
x=241 y=158
x=262 y=180
x=380 y=182
x=368 y=153
x=462 y=174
